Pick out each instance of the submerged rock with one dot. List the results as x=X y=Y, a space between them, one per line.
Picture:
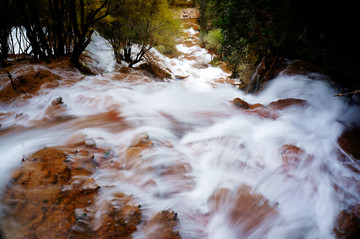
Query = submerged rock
x=286 y=103
x=28 y=81
x=347 y=225
x=271 y=111
x=162 y=226
x=349 y=141
x=255 y=109
x=292 y=156
x=247 y=210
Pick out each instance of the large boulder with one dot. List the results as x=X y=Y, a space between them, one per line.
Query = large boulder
x=347 y=225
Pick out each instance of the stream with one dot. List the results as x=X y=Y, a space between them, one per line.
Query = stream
x=226 y=172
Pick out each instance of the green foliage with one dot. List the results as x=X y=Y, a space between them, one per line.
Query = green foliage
x=142 y=23
x=320 y=31
x=208 y=14
x=166 y=49
x=213 y=40
x=181 y=3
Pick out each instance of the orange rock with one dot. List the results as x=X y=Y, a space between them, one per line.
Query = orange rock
x=162 y=226
x=124 y=70
x=55 y=109
x=27 y=80
x=250 y=209
x=51 y=165
x=247 y=210
x=349 y=141
x=140 y=144
x=219 y=198
x=119 y=218
x=256 y=106
x=47 y=193
x=177 y=170
x=263 y=113
x=292 y=156
x=255 y=109
x=286 y=103
x=240 y=103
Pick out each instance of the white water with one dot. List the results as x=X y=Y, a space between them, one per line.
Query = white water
x=192 y=123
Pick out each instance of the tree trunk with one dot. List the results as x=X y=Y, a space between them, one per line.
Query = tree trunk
x=127 y=54
x=118 y=56
x=4 y=53
x=79 y=47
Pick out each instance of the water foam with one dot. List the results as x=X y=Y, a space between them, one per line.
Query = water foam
x=193 y=124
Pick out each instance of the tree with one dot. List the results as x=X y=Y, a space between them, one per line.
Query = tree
x=34 y=18
x=53 y=27
x=83 y=16
x=319 y=31
x=140 y=24
x=6 y=23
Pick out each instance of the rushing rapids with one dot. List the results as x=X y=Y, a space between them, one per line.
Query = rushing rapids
x=260 y=166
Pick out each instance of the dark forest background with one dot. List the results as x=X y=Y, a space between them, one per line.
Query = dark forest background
x=322 y=32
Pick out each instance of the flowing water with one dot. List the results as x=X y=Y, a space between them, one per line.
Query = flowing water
x=220 y=168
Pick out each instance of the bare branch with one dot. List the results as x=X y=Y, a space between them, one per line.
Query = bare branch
x=11 y=80
x=349 y=93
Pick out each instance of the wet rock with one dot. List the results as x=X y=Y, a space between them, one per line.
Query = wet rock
x=347 y=225
x=270 y=112
x=139 y=157
x=292 y=156
x=27 y=80
x=49 y=190
x=153 y=69
x=346 y=161
x=301 y=68
x=286 y=103
x=51 y=165
x=179 y=77
x=33 y=202
x=118 y=218
x=55 y=109
x=179 y=173
x=349 y=141
x=124 y=70
x=162 y=226
x=255 y=109
x=91 y=64
x=219 y=198
x=247 y=210
x=139 y=144
x=240 y=103
x=250 y=209
x=269 y=69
